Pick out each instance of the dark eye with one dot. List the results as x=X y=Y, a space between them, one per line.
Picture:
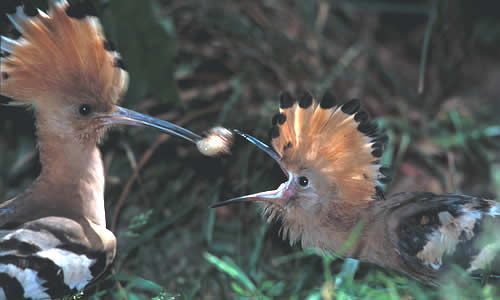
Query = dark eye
x=303 y=181
x=85 y=110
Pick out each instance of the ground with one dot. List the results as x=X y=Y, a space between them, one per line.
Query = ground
x=427 y=70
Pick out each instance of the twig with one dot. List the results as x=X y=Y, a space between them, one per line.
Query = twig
x=343 y=63
x=119 y=286
x=25 y=159
x=425 y=47
x=452 y=185
x=208 y=92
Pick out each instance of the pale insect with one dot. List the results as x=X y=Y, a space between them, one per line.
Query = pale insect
x=218 y=141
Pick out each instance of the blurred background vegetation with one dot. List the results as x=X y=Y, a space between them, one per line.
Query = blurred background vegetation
x=429 y=70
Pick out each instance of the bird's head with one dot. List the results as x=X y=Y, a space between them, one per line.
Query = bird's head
x=330 y=155
x=64 y=69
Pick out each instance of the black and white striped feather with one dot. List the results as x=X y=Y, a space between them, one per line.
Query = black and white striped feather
x=49 y=258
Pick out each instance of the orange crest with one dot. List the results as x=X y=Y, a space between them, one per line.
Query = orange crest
x=60 y=53
x=339 y=143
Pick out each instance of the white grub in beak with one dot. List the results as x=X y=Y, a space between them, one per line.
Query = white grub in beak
x=218 y=141
x=129 y=117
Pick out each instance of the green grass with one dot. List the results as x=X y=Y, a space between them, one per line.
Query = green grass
x=206 y=63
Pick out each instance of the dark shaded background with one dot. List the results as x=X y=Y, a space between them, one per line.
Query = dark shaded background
x=429 y=70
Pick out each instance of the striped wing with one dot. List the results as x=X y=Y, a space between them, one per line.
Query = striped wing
x=50 y=258
x=433 y=232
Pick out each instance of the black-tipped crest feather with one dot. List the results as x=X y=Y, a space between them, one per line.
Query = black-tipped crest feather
x=330 y=139
x=80 y=9
x=286 y=100
x=306 y=100
x=274 y=132
x=351 y=107
x=328 y=101
x=361 y=117
x=278 y=118
x=29 y=9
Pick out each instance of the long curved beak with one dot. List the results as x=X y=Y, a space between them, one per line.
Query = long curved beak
x=129 y=117
x=264 y=196
x=268 y=150
x=277 y=196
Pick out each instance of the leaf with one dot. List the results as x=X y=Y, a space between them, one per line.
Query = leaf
x=140 y=283
x=495 y=175
x=238 y=289
x=148 y=48
x=231 y=269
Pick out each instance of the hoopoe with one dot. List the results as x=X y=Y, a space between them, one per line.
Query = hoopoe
x=330 y=155
x=53 y=236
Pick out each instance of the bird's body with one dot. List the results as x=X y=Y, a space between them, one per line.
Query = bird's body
x=423 y=234
x=332 y=200
x=53 y=236
x=430 y=233
x=52 y=256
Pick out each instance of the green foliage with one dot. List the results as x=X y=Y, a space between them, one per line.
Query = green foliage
x=224 y=62
x=148 y=46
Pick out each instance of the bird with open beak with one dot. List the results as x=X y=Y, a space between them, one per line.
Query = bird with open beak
x=331 y=157
x=53 y=236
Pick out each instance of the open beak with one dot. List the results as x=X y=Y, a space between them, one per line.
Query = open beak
x=277 y=196
x=129 y=117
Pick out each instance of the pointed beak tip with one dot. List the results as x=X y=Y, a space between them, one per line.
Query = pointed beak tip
x=215 y=205
x=258 y=197
x=225 y=202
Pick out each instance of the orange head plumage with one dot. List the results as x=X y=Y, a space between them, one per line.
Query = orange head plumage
x=330 y=155
x=60 y=54
x=63 y=67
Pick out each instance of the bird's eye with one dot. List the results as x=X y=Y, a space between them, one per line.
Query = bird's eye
x=85 y=110
x=303 y=181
